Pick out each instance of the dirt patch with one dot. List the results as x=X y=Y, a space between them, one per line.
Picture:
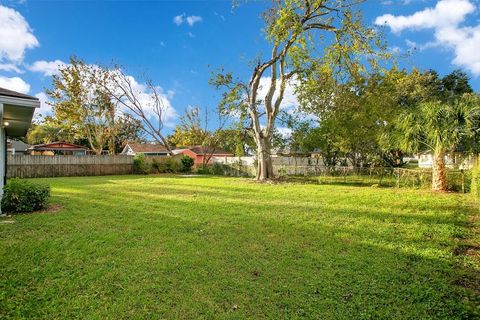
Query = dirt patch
x=54 y=208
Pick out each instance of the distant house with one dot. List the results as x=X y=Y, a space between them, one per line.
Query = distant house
x=148 y=149
x=452 y=160
x=200 y=154
x=58 y=148
x=17 y=147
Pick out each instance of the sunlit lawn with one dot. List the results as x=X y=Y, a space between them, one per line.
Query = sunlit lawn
x=136 y=247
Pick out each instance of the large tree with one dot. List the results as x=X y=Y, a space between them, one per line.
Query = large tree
x=81 y=103
x=48 y=129
x=307 y=36
x=144 y=102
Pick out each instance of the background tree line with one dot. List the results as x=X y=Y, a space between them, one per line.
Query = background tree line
x=377 y=120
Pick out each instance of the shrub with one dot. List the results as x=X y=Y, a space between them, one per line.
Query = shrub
x=24 y=196
x=282 y=172
x=139 y=164
x=187 y=164
x=202 y=170
x=169 y=165
x=217 y=169
x=156 y=166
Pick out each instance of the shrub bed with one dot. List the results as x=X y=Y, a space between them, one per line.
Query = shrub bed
x=24 y=196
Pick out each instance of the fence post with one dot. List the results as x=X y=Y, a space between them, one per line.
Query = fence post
x=398 y=177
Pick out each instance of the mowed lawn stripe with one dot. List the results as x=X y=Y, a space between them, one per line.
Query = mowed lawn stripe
x=210 y=247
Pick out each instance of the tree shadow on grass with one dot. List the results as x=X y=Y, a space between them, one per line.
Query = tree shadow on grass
x=169 y=258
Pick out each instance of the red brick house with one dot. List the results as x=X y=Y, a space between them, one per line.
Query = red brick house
x=202 y=154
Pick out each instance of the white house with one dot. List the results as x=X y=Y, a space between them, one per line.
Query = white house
x=148 y=149
x=16 y=112
x=452 y=160
x=17 y=147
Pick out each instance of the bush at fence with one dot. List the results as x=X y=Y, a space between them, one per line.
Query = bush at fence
x=24 y=196
x=165 y=165
x=140 y=164
x=235 y=169
x=187 y=164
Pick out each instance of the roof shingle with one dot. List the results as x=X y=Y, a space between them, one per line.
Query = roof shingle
x=14 y=94
x=147 y=148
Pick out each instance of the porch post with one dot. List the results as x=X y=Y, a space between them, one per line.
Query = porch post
x=3 y=151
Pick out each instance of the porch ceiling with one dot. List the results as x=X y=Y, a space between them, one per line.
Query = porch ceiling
x=17 y=113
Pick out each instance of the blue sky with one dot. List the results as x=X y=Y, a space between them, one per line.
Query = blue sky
x=179 y=54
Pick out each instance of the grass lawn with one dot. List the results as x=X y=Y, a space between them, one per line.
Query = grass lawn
x=136 y=247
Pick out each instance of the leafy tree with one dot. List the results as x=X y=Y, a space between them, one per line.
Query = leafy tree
x=455 y=84
x=307 y=37
x=128 y=129
x=48 y=130
x=194 y=131
x=322 y=139
x=80 y=103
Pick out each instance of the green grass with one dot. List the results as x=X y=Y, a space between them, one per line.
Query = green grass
x=137 y=247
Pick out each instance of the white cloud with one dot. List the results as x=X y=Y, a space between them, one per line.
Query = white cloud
x=191 y=20
x=446 y=20
x=447 y=13
x=15 y=36
x=45 y=109
x=48 y=68
x=178 y=20
x=10 y=67
x=15 y=84
x=289 y=101
x=285 y=132
x=183 y=18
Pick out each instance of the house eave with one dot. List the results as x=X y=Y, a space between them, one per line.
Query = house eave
x=20 y=101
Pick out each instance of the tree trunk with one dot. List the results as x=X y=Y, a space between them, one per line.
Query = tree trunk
x=439 y=173
x=111 y=146
x=264 y=166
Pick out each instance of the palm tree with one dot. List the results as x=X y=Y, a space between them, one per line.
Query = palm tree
x=439 y=127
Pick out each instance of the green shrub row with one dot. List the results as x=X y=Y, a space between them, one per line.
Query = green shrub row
x=165 y=165
x=21 y=196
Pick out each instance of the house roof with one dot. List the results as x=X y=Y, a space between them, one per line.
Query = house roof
x=200 y=150
x=147 y=148
x=16 y=115
x=59 y=145
x=18 y=145
x=14 y=94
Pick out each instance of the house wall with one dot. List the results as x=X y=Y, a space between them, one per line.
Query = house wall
x=451 y=161
x=3 y=150
x=128 y=151
x=197 y=159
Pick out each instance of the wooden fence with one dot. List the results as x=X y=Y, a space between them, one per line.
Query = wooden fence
x=26 y=166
